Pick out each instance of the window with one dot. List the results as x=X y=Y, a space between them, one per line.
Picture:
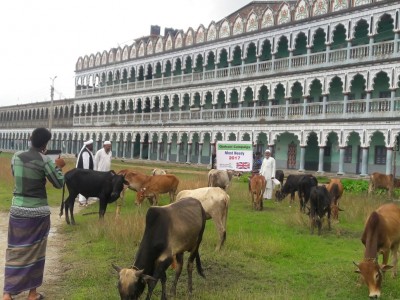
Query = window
x=385 y=94
x=348 y=154
x=380 y=155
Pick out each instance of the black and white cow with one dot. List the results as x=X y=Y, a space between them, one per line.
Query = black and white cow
x=106 y=186
x=320 y=205
x=170 y=231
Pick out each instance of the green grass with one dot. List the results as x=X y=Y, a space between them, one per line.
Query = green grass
x=267 y=255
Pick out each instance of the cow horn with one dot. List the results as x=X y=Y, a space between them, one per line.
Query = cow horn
x=116 y=268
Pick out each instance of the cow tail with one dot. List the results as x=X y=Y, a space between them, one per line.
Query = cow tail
x=198 y=265
x=62 y=201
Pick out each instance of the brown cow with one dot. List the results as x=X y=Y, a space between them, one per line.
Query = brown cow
x=256 y=188
x=335 y=189
x=215 y=202
x=381 y=235
x=158 y=184
x=136 y=181
x=379 y=180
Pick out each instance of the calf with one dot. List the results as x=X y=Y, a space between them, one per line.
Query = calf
x=335 y=189
x=106 y=186
x=379 y=180
x=257 y=186
x=220 y=178
x=215 y=202
x=170 y=231
x=320 y=205
x=156 y=185
x=381 y=235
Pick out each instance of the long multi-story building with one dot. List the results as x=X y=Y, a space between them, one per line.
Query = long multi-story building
x=315 y=81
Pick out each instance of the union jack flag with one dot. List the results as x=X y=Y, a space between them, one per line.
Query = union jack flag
x=242 y=165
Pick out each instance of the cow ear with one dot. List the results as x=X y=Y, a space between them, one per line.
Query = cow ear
x=384 y=268
x=116 y=268
x=148 y=278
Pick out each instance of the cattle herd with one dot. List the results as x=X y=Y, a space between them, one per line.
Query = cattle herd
x=178 y=227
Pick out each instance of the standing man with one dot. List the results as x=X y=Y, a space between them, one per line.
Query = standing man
x=85 y=161
x=29 y=221
x=102 y=159
x=268 y=171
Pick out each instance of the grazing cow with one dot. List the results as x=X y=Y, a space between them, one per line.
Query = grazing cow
x=170 y=231
x=158 y=172
x=320 y=205
x=106 y=186
x=335 y=189
x=381 y=235
x=301 y=183
x=220 y=178
x=215 y=202
x=158 y=184
x=257 y=186
x=379 y=180
x=280 y=176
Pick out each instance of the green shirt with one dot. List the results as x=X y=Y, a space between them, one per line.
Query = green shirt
x=30 y=170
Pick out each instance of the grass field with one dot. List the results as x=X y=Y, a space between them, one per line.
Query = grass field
x=267 y=255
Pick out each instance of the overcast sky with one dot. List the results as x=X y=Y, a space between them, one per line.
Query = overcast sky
x=41 y=39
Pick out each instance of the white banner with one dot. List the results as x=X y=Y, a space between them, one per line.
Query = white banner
x=234 y=156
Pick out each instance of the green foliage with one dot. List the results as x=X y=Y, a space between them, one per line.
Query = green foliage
x=355 y=185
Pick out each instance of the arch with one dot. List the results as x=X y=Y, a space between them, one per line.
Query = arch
x=284 y=14
x=238 y=26
x=301 y=10
x=268 y=19
x=252 y=22
x=225 y=29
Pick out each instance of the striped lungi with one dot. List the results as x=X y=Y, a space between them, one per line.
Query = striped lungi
x=26 y=253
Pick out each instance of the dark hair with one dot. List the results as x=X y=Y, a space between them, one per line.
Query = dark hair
x=40 y=137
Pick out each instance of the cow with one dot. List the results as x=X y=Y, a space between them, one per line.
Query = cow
x=158 y=172
x=381 y=235
x=300 y=183
x=335 y=189
x=215 y=202
x=135 y=182
x=320 y=205
x=170 y=231
x=156 y=185
x=106 y=186
x=257 y=186
x=379 y=180
x=220 y=178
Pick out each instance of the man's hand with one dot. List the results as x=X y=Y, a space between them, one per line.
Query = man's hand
x=60 y=163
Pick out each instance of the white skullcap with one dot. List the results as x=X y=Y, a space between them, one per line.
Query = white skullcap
x=89 y=142
x=107 y=143
x=269 y=151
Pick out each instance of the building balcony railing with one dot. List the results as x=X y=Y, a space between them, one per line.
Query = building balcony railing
x=338 y=110
x=329 y=58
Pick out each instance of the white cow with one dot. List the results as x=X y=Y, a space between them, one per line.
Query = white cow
x=158 y=172
x=220 y=178
x=215 y=202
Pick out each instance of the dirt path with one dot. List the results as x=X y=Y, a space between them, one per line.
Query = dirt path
x=53 y=269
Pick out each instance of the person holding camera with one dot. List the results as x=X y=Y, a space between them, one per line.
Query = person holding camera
x=29 y=221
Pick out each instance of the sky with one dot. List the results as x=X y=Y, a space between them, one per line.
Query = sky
x=42 y=39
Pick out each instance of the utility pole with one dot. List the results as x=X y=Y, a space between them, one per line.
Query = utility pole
x=51 y=113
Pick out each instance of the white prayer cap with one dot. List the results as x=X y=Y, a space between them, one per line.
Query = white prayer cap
x=267 y=151
x=89 y=142
x=107 y=143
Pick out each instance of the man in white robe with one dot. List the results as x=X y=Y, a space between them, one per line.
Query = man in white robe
x=102 y=159
x=268 y=171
